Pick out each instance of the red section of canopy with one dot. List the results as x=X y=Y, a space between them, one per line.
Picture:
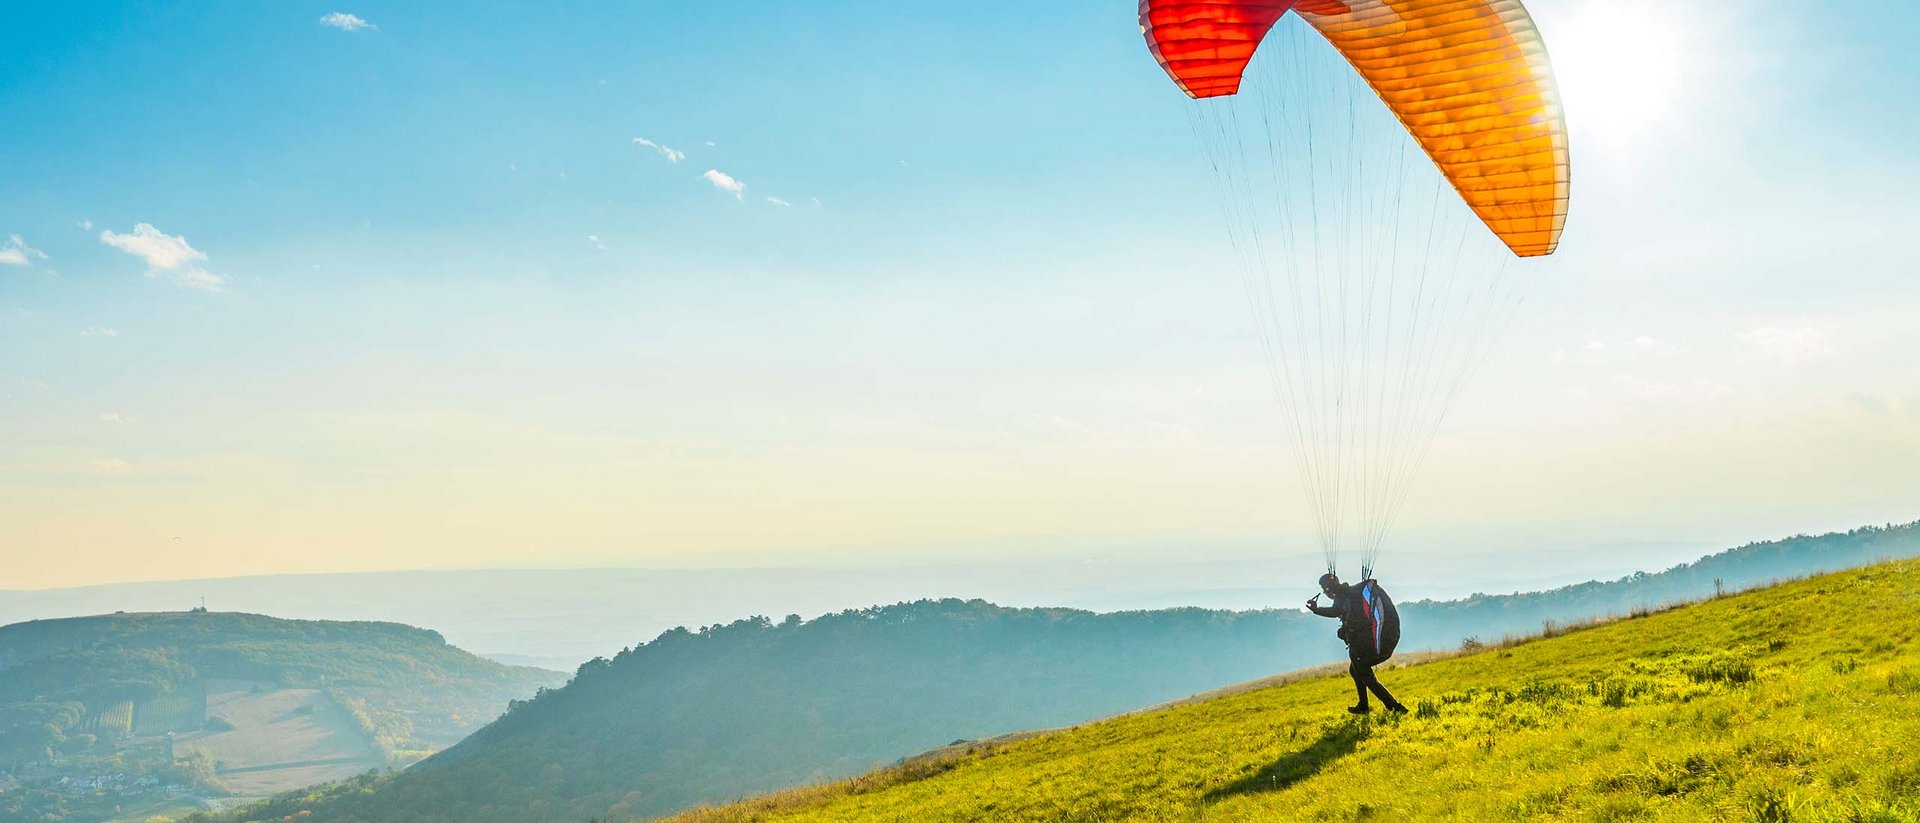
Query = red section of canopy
x=1205 y=44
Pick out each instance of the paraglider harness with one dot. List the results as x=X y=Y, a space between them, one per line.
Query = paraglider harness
x=1380 y=629
x=1369 y=622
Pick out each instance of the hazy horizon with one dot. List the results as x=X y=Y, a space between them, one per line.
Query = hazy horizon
x=561 y=617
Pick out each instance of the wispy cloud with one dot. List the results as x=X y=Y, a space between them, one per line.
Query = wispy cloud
x=17 y=253
x=99 y=331
x=1616 y=349
x=673 y=155
x=595 y=240
x=111 y=466
x=1790 y=344
x=347 y=22
x=1652 y=345
x=85 y=224
x=114 y=417
x=1655 y=388
x=777 y=201
x=1885 y=406
x=725 y=182
x=168 y=257
x=1068 y=426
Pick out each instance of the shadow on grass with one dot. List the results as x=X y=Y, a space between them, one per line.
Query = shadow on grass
x=1335 y=743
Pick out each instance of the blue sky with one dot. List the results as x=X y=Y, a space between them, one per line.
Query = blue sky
x=414 y=295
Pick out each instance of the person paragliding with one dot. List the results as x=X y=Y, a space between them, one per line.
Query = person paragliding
x=1390 y=175
x=1370 y=625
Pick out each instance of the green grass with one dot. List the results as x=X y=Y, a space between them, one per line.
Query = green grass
x=1799 y=702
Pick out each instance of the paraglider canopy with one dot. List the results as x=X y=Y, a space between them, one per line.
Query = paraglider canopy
x=1468 y=79
x=1344 y=137
x=1205 y=45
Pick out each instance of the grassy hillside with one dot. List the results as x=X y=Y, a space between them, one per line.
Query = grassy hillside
x=727 y=711
x=1795 y=703
x=103 y=713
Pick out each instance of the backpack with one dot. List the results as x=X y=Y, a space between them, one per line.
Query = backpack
x=1382 y=620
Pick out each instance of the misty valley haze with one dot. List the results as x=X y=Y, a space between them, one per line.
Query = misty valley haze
x=561 y=618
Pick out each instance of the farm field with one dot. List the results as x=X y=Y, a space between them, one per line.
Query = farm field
x=183 y=709
x=279 y=738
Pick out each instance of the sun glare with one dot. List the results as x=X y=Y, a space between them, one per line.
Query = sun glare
x=1622 y=67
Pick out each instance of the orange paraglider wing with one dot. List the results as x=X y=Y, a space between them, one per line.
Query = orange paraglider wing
x=1205 y=44
x=1470 y=80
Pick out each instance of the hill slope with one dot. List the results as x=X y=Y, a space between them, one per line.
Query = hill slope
x=106 y=712
x=1798 y=702
x=755 y=706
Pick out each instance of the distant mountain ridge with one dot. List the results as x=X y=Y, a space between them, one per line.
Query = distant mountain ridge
x=560 y=618
x=756 y=705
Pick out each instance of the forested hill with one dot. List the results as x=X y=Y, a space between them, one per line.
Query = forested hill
x=710 y=714
x=77 y=686
x=725 y=711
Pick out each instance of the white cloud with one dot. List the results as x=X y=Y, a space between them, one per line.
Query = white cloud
x=1647 y=388
x=673 y=155
x=99 y=331
x=725 y=182
x=17 y=253
x=1790 y=345
x=113 y=417
x=1652 y=345
x=777 y=201
x=159 y=249
x=1066 y=427
x=1613 y=349
x=711 y=144
x=1870 y=404
x=85 y=224
x=595 y=240
x=347 y=22
x=168 y=257
x=112 y=466
x=1641 y=387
